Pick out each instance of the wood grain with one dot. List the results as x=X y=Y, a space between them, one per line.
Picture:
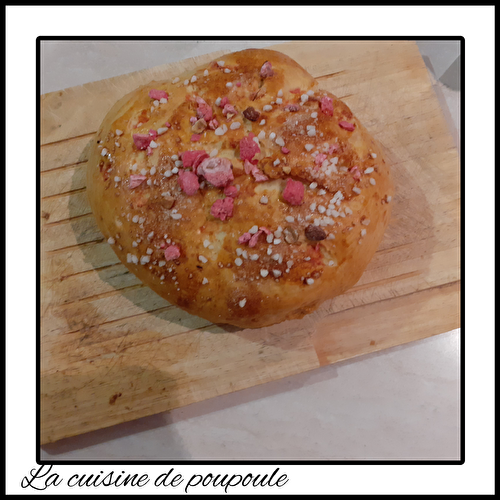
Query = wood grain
x=112 y=350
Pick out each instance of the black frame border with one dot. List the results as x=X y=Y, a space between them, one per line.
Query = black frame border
x=281 y=462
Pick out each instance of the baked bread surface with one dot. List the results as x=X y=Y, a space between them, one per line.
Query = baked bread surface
x=272 y=230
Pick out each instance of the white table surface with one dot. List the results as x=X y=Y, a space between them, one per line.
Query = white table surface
x=400 y=403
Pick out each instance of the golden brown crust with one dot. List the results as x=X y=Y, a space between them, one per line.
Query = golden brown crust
x=229 y=287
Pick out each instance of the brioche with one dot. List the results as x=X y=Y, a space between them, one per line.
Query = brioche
x=240 y=192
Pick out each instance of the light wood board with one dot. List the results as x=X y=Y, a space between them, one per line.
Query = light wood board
x=112 y=350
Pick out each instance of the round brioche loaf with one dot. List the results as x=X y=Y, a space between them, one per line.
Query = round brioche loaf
x=240 y=191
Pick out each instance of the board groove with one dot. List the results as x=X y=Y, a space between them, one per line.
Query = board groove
x=406 y=295
x=88 y=271
x=132 y=316
x=99 y=296
x=74 y=247
x=66 y=221
x=43 y=173
x=86 y=134
x=336 y=73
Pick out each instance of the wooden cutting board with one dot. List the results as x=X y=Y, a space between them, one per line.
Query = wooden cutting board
x=112 y=350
